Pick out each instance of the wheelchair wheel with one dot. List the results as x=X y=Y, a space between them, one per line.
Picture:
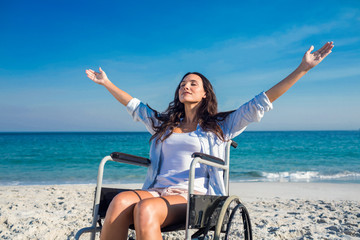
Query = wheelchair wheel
x=233 y=222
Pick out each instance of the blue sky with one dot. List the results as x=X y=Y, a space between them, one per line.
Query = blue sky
x=243 y=47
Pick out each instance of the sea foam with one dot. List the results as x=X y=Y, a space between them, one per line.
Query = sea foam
x=309 y=176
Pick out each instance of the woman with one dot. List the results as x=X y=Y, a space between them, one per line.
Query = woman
x=190 y=124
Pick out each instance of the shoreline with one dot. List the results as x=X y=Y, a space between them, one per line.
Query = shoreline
x=232 y=181
x=250 y=190
x=277 y=210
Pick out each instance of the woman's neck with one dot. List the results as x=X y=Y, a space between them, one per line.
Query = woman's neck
x=190 y=114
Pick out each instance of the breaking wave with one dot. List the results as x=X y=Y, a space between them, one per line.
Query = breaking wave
x=309 y=176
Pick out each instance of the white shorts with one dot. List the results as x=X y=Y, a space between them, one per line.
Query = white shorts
x=162 y=192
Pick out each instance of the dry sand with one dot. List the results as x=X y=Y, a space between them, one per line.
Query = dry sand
x=277 y=210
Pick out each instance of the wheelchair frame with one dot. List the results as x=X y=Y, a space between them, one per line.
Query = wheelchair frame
x=223 y=215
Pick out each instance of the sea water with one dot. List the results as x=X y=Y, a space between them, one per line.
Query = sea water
x=73 y=157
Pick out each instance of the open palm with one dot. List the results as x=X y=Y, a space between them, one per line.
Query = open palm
x=310 y=60
x=98 y=77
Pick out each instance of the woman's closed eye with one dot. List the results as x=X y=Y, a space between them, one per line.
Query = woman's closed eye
x=193 y=83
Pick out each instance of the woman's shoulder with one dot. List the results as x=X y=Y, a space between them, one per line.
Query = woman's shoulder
x=221 y=116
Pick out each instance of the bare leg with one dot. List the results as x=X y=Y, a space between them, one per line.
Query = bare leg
x=119 y=215
x=152 y=214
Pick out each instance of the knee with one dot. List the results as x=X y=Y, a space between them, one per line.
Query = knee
x=144 y=214
x=121 y=206
x=121 y=201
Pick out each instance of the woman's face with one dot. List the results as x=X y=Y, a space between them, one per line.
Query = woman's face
x=191 y=89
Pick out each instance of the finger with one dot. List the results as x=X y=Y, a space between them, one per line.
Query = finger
x=92 y=71
x=330 y=46
x=91 y=76
x=310 y=49
x=328 y=52
x=100 y=69
x=89 y=72
x=323 y=47
x=325 y=53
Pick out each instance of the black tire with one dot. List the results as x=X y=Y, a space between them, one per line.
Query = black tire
x=238 y=225
x=233 y=222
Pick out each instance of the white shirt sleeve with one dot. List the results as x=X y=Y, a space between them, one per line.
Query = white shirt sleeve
x=252 y=111
x=140 y=112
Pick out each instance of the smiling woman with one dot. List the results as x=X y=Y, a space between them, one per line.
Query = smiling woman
x=190 y=124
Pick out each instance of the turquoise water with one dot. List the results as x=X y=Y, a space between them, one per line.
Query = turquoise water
x=71 y=158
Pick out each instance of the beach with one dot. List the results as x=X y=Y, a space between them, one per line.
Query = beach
x=278 y=210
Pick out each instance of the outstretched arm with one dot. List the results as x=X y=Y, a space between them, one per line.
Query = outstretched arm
x=102 y=79
x=309 y=61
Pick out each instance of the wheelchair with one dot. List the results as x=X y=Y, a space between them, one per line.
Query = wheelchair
x=207 y=216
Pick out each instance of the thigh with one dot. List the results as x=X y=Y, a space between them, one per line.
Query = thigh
x=126 y=200
x=133 y=196
x=168 y=210
x=176 y=205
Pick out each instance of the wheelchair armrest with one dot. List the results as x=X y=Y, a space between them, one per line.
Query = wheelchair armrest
x=130 y=159
x=208 y=158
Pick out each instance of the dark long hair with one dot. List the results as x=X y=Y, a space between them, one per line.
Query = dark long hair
x=208 y=116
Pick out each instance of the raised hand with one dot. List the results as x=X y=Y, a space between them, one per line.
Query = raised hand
x=310 y=60
x=98 y=77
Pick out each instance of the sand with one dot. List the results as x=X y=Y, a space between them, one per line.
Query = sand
x=277 y=210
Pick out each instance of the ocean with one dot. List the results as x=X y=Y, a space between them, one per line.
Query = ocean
x=283 y=156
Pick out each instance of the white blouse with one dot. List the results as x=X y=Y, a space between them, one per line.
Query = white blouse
x=176 y=159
